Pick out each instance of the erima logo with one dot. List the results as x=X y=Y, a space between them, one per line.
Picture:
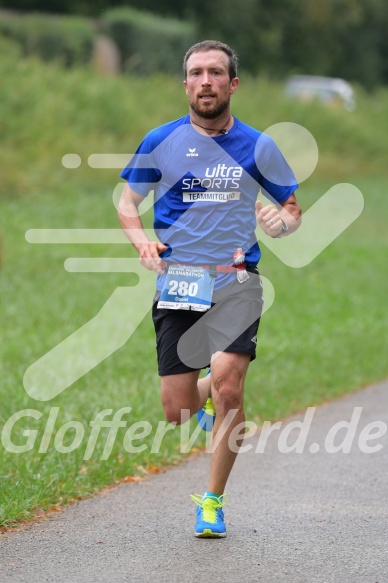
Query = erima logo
x=254 y=340
x=192 y=152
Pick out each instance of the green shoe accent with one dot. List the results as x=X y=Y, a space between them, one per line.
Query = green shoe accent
x=206 y=416
x=210 y=516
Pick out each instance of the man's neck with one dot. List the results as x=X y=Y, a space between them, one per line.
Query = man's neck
x=212 y=127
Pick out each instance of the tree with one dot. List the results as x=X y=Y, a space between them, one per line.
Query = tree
x=344 y=38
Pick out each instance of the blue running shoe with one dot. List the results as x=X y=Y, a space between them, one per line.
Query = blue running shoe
x=206 y=416
x=210 y=516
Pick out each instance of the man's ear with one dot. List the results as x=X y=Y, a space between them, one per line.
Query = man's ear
x=234 y=84
x=185 y=86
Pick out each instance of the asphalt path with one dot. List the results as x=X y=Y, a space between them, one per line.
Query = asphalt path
x=316 y=516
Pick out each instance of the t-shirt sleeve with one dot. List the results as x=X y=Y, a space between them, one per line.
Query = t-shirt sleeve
x=142 y=172
x=275 y=175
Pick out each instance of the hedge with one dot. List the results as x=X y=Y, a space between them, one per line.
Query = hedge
x=67 y=39
x=148 y=43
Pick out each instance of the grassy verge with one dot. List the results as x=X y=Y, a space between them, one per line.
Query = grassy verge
x=324 y=336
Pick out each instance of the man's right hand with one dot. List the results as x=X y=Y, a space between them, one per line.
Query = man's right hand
x=149 y=255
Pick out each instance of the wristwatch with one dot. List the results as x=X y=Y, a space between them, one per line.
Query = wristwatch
x=283 y=231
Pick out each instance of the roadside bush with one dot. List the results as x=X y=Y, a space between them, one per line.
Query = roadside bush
x=67 y=39
x=148 y=43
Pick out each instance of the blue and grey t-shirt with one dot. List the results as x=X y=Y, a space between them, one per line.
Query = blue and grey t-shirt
x=205 y=189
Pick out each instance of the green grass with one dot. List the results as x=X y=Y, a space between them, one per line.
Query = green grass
x=326 y=333
x=324 y=336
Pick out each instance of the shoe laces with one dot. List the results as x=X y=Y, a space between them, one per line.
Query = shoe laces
x=209 y=506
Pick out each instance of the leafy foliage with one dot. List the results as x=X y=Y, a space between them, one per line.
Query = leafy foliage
x=69 y=40
x=148 y=43
x=345 y=38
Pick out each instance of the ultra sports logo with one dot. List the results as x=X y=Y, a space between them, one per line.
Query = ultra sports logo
x=224 y=171
x=221 y=182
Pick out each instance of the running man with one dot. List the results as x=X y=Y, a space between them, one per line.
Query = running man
x=206 y=170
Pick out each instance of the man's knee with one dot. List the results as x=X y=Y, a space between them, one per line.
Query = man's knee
x=229 y=390
x=228 y=399
x=228 y=384
x=175 y=415
x=178 y=395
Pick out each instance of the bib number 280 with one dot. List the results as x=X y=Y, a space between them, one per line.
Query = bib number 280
x=183 y=288
x=187 y=288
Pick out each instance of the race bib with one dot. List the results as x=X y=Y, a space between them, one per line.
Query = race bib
x=187 y=288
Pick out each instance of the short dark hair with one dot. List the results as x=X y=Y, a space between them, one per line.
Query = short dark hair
x=211 y=45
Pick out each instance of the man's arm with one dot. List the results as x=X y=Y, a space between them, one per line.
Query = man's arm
x=133 y=227
x=281 y=220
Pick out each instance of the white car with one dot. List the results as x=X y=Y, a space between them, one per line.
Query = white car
x=328 y=90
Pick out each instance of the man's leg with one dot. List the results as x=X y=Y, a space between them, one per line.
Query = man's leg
x=227 y=379
x=186 y=392
x=228 y=375
x=183 y=391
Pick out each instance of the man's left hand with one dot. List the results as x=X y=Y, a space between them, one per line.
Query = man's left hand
x=268 y=218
